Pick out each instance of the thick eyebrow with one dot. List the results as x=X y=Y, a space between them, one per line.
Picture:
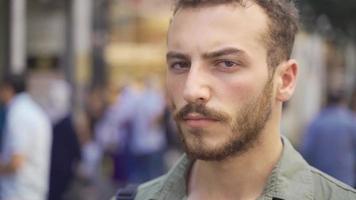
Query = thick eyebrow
x=208 y=55
x=177 y=55
x=224 y=52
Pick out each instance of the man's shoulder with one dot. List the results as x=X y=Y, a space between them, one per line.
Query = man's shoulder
x=327 y=187
x=25 y=108
x=169 y=186
x=149 y=189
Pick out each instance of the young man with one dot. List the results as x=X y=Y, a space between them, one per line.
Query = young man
x=229 y=72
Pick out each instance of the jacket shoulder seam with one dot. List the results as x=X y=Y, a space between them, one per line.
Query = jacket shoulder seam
x=335 y=182
x=151 y=188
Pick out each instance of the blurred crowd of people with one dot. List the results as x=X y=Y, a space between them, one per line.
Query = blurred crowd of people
x=132 y=135
x=39 y=145
x=51 y=151
x=124 y=135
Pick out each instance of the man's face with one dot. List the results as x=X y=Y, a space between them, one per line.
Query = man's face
x=218 y=80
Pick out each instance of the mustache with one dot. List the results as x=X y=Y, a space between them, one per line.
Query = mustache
x=202 y=110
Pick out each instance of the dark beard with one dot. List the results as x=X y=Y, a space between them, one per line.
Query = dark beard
x=246 y=128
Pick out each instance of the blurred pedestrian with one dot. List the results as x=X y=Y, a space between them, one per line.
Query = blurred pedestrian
x=328 y=141
x=353 y=109
x=87 y=186
x=115 y=129
x=66 y=152
x=148 y=140
x=24 y=161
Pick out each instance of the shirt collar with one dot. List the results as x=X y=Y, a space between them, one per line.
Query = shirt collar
x=290 y=179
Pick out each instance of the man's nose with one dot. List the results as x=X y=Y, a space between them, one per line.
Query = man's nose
x=197 y=89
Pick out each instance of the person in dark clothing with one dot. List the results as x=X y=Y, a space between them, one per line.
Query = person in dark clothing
x=333 y=126
x=66 y=151
x=2 y=123
x=353 y=109
x=64 y=157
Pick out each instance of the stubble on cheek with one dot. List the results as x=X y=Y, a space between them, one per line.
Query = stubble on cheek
x=237 y=136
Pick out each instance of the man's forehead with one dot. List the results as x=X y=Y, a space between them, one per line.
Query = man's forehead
x=235 y=21
x=233 y=12
x=194 y=4
x=211 y=4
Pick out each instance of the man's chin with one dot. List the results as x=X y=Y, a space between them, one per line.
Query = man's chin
x=207 y=155
x=205 y=152
x=201 y=144
x=198 y=148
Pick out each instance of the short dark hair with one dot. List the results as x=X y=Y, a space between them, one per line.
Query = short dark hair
x=16 y=82
x=282 y=28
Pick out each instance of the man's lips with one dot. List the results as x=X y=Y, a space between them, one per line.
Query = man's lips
x=196 y=120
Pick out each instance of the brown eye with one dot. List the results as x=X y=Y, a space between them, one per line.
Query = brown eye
x=226 y=64
x=179 y=66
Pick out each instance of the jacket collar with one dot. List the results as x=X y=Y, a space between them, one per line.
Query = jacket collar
x=290 y=179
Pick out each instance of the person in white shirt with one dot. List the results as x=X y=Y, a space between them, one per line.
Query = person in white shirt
x=24 y=162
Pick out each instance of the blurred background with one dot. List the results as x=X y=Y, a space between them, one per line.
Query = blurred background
x=107 y=57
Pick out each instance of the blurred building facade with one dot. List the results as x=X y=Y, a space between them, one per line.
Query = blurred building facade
x=4 y=23
x=53 y=36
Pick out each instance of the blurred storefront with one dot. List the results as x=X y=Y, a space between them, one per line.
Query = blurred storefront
x=88 y=42
x=50 y=38
x=137 y=37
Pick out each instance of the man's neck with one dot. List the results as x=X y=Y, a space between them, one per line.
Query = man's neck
x=240 y=177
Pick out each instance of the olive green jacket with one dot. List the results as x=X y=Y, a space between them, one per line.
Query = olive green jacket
x=292 y=179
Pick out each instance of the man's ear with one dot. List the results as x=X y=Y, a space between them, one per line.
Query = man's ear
x=286 y=80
